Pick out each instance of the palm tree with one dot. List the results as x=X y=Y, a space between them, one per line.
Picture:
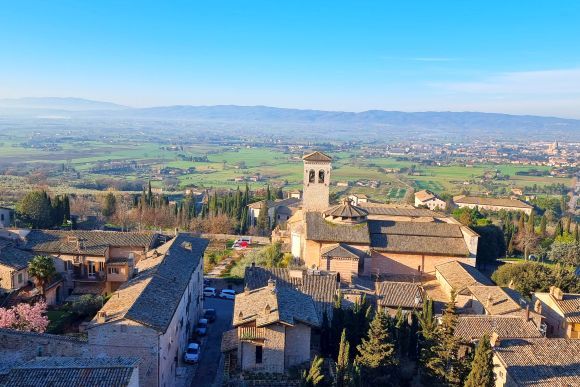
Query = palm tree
x=41 y=267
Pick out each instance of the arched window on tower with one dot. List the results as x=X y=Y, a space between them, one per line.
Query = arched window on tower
x=321 y=176
x=312 y=176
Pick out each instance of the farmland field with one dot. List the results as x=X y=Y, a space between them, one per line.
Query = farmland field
x=228 y=166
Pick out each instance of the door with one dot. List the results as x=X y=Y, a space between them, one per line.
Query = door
x=91 y=270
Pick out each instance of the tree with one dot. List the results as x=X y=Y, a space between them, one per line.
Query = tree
x=314 y=376
x=109 y=205
x=25 y=317
x=343 y=362
x=567 y=253
x=376 y=353
x=575 y=235
x=543 y=224
x=36 y=210
x=263 y=221
x=481 y=374
x=41 y=267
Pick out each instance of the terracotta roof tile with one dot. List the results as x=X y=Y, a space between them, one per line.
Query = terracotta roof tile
x=503 y=202
x=460 y=275
x=473 y=327
x=317 y=156
x=399 y=294
x=495 y=299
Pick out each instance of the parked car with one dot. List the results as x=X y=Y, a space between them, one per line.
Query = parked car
x=210 y=315
x=192 y=353
x=228 y=294
x=209 y=292
x=201 y=327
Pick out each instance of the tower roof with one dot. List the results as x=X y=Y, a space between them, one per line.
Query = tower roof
x=317 y=156
x=346 y=210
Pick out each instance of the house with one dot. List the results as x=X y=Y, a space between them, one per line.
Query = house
x=493 y=300
x=561 y=312
x=295 y=193
x=13 y=266
x=279 y=210
x=536 y=362
x=492 y=204
x=456 y=277
x=429 y=199
x=394 y=295
x=96 y=262
x=152 y=315
x=70 y=371
x=375 y=239
x=5 y=217
x=358 y=198
x=274 y=328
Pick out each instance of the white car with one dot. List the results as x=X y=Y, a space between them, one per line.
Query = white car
x=228 y=294
x=192 y=353
x=209 y=292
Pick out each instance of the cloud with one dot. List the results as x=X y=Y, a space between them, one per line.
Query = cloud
x=536 y=83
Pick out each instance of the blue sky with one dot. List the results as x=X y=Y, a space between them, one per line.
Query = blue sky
x=503 y=56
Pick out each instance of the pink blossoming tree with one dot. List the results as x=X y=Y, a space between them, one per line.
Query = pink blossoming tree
x=25 y=317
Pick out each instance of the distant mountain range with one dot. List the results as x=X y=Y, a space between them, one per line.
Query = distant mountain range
x=373 y=123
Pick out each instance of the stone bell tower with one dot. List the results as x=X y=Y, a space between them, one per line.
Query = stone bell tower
x=316 y=181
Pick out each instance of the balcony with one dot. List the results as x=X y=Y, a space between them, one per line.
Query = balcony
x=251 y=334
x=93 y=277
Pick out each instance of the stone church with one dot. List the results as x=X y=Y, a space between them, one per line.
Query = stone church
x=371 y=239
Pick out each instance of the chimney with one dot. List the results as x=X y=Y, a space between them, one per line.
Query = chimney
x=101 y=317
x=489 y=302
x=558 y=294
x=246 y=289
x=272 y=285
x=527 y=313
x=176 y=231
x=494 y=340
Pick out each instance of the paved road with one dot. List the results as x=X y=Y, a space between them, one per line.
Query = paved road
x=210 y=356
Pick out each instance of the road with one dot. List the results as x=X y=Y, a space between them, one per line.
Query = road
x=210 y=355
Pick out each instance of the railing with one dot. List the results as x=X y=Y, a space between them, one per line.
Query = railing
x=96 y=277
x=251 y=333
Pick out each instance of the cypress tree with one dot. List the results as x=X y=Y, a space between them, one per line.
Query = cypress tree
x=531 y=221
x=343 y=362
x=543 y=224
x=521 y=222
x=149 y=195
x=262 y=222
x=567 y=225
x=575 y=235
x=559 y=231
x=481 y=374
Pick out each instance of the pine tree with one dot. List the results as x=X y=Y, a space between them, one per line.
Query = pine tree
x=481 y=374
x=343 y=362
x=426 y=319
x=376 y=353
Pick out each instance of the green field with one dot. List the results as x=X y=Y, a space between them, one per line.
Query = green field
x=274 y=166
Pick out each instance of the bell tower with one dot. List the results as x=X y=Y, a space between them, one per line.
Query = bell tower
x=316 y=181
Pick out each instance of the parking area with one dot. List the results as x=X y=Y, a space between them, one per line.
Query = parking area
x=207 y=367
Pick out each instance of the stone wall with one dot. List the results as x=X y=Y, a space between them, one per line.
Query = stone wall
x=409 y=264
x=316 y=194
x=9 y=278
x=297 y=350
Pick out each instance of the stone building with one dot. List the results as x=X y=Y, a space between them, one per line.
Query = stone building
x=536 y=362
x=152 y=315
x=96 y=262
x=392 y=295
x=279 y=211
x=5 y=217
x=13 y=266
x=371 y=238
x=429 y=199
x=493 y=204
x=561 y=312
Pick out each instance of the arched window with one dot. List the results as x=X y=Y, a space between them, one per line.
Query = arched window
x=311 y=176
x=321 y=176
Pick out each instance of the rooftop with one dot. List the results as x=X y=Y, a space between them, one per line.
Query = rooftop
x=68 y=371
x=270 y=304
x=321 y=287
x=317 y=156
x=425 y=195
x=569 y=305
x=460 y=275
x=399 y=294
x=346 y=211
x=398 y=210
x=342 y=250
x=541 y=362
x=495 y=299
x=501 y=202
x=319 y=229
x=473 y=327
x=152 y=297
x=13 y=257
x=87 y=242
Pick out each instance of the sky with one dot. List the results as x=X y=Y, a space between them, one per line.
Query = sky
x=519 y=57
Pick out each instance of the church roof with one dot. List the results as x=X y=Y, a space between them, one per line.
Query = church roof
x=346 y=210
x=341 y=250
x=317 y=156
x=319 y=229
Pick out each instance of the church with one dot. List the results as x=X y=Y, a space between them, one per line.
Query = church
x=371 y=239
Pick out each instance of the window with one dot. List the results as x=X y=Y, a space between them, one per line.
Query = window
x=321 y=176
x=113 y=270
x=311 y=176
x=2 y=217
x=20 y=278
x=68 y=265
x=259 y=354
